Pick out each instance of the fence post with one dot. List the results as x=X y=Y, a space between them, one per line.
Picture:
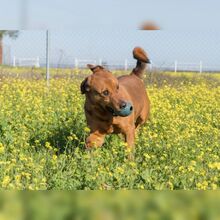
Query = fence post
x=47 y=57
x=76 y=63
x=100 y=61
x=175 y=66
x=150 y=65
x=38 y=62
x=126 y=64
x=200 y=66
x=14 y=61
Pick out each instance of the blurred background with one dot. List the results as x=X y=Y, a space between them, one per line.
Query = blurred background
x=110 y=205
x=197 y=51
x=72 y=14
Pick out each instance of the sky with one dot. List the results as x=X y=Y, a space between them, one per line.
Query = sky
x=70 y=14
x=108 y=30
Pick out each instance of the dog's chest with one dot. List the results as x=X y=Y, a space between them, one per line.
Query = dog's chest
x=112 y=128
x=116 y=129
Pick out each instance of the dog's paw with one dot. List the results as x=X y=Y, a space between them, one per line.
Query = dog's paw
x=131 y=156
x=94 y=141
x=88 y=149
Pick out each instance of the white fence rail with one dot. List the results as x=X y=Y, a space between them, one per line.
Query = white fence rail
x=176 y=66
x=33 y=62
x=117 y=65
x=184 y=66
x=82 y=63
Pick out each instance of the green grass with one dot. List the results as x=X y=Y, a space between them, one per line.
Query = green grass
x=43 y=129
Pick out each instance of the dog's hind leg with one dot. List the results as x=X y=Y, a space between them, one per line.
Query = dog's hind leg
x=130 y=140
x=142 y=118
x=129 y=137
x=138 y=122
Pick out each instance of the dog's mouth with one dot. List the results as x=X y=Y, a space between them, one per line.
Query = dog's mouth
x=123 y=112
x=111 y=110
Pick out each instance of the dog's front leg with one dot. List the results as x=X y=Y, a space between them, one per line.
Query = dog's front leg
x=130 y=136
x=95 y=139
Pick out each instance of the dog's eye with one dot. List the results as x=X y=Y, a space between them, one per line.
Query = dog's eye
x=117 y=86
x=105 y=93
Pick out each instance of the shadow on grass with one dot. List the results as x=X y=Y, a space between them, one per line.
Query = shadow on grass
x=63 y=138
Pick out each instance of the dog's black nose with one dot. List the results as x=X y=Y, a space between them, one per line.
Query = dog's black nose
x=123 y=105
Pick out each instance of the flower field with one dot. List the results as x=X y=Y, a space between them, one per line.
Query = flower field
x=43 y=129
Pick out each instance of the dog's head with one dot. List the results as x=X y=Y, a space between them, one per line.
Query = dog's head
x=102 y=89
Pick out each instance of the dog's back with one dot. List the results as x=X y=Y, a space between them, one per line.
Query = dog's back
x=135 y=85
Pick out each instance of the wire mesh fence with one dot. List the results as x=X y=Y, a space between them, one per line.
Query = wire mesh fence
x=168 y=51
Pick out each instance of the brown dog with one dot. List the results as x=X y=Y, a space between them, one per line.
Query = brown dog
x=115 y=105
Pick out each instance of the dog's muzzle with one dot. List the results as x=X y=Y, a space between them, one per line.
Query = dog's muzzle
x=126 y=109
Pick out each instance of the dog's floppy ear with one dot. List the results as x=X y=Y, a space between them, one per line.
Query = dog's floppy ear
x=84 y=87
x=94 y=68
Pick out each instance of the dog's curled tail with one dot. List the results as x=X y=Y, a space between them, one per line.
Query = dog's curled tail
x=141 y=56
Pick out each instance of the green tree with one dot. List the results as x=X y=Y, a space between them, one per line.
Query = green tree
x=11 y=34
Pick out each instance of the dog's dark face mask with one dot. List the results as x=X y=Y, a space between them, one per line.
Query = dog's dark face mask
x=103 y=89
